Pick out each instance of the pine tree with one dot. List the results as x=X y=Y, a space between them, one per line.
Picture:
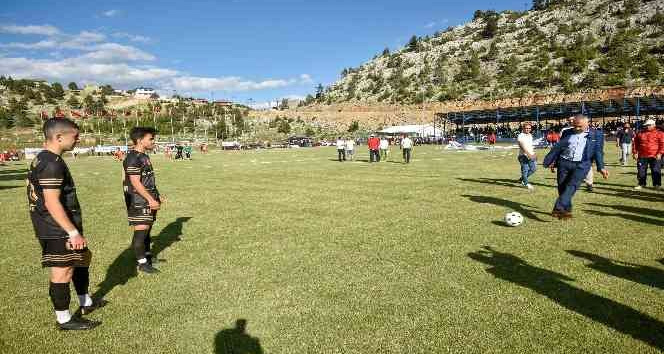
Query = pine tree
x=413 y=43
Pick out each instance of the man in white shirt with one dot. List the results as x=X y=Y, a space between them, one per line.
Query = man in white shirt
x=384 y=148
x=527 y=157
x=341 y=149
x=406 y=148
x=350 y=148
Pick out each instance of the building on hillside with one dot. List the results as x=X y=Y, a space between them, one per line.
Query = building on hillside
x=200 y=101
x=422 y=131
x=144 y=92
x=222 y=103
x=119 y=92
x=41 y=83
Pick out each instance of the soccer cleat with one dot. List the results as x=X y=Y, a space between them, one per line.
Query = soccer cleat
x=530 y=187
x=96 y=303
x=147 y=268
x=638 y=188
x=78 y=324
x=565 y=215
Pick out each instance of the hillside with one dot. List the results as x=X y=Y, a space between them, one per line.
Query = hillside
x=565 y=46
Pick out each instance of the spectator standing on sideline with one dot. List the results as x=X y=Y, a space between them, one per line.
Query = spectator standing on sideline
x=187 y=151
x=384 y=148
x=491 y=140
x=350 y=148
x=573 y=156
x=406 y=148
x=373 y=143
x=624 y=140
x=527 y=157
x=341 y=149
x=648 y=149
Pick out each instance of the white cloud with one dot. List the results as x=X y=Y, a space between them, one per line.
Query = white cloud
x=132 y=37
x=81 y=69
x=113 y=52
x=45 y=44
x=111 y=13
x=430 y=25
x=192 y=83
x=44 y=30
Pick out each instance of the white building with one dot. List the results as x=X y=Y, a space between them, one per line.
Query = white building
x=144 y=92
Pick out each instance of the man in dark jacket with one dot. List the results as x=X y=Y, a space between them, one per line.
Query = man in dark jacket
x=574 y=155
x=647 y=149
x=624 y=139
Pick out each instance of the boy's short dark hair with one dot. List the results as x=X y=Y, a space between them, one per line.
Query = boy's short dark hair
x=55 y=126
x=138 y=133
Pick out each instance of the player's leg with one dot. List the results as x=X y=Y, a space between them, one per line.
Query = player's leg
x=641 y=171
x=60 y=260
x=656 y=171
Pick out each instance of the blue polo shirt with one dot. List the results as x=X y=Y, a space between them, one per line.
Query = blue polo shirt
x=576 y=146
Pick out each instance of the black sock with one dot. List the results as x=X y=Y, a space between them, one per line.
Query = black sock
x=81 y=280
x=148 y=246
x=138 y=243
x=59 y=293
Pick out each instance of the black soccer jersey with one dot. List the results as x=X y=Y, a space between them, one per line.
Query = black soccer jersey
x=138 y=164
x=49 y=171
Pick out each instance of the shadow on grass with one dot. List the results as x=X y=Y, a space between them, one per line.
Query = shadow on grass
x=13 y=175
x=524 y=209
x=640 y=195
x=631 y=209
x=505 y=182
x=631 y=217
x=123 y=267
x=9 y=187
x=236 y=340
x=641 y=274
x=554 y=286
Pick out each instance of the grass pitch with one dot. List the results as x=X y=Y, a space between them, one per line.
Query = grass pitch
x=319 y=256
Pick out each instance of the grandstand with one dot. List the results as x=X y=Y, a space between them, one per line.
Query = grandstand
x=631 y=108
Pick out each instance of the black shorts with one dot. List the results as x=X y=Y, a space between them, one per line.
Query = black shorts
x=56 y=254
x=139 y=213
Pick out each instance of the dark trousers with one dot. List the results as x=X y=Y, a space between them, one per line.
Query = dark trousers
x=374 y=156
x=406 y=155
x=528 y=167
x=342 y=154
x=570 y=175
x=655 y=170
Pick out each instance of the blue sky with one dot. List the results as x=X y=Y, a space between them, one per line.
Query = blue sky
x=258 y=50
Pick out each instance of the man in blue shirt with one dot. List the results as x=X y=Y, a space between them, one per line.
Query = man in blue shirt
x=574 y=155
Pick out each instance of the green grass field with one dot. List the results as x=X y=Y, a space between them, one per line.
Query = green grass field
x=325 y=257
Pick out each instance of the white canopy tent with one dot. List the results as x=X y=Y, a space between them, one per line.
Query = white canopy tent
x=422 y=131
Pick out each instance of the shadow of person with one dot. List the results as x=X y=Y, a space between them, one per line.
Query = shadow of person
x=524 y=209
x=170 y=234
x=631 y=209
x=505 y=182
x=554 y=286
x=637 y=218
x=123 y=267
x=641 y=274
x=236 y=340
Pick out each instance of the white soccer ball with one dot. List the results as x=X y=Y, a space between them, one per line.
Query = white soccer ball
x=513 y=219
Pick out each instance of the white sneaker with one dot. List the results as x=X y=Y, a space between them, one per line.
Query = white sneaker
x=638 y=188
x=530 y=187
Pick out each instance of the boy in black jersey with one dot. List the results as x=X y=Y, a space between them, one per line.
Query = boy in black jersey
x=141 y=195
x=56 y=218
